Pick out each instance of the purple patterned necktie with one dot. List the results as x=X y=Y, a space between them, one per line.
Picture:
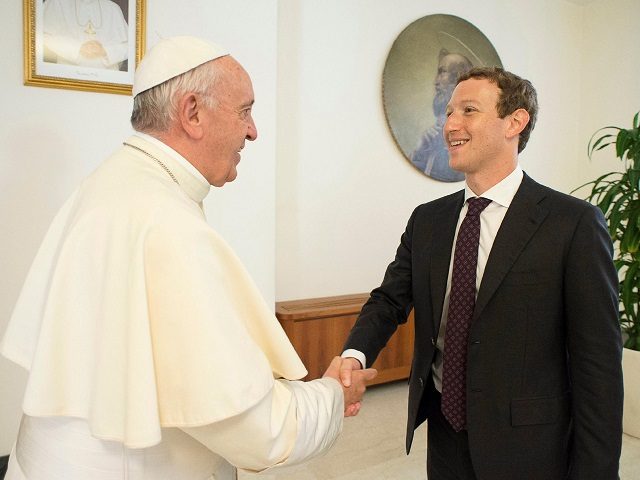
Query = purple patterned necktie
x=462 y=300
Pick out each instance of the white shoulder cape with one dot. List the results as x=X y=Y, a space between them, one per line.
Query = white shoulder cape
x=136 y=315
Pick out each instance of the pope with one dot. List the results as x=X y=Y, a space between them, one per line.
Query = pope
x=151 y=353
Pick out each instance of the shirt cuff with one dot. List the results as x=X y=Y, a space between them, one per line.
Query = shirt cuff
x=357 y=354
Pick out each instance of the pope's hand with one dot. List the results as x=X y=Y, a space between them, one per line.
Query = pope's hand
x=92 y=49
x=356 y=385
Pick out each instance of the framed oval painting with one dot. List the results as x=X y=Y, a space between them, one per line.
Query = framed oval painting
x=419 y=76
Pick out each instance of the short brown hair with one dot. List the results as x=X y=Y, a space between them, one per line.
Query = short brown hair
x=515 y=93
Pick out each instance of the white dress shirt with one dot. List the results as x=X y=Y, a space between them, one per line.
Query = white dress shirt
x=501 y=196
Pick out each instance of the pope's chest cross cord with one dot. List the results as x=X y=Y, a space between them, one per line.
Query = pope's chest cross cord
x=462 y=300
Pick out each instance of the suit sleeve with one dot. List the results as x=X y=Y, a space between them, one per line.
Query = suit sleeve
x=594 y=349
x=389 y=304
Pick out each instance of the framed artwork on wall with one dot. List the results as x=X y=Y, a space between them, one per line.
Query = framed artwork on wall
x=91 y=45
x=419 y=76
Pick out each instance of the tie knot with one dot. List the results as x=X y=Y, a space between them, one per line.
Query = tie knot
x=477 y=205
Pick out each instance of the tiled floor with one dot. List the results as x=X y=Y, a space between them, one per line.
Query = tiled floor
x=371 y=446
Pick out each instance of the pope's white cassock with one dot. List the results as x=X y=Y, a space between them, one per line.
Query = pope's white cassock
x=68 y=24
x=151 y=353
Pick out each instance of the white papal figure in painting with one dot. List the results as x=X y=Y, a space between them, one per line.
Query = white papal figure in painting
x=87 y=33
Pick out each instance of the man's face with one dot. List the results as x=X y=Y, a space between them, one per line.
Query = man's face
x=449 y=67
x=228 y=124
x=474 y=134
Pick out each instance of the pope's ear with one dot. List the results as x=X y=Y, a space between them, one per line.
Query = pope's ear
x=190 y=115
x=518 y=120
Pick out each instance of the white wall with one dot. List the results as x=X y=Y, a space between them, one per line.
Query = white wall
x=51 y=138
x=610 y=67
x=344 y=189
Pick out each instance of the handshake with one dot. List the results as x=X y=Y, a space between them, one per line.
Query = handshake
x=348 y=371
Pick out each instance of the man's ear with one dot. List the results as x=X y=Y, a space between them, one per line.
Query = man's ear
x=190 y=115
x=517 y=121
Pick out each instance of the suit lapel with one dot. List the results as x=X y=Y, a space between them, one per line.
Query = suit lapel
x=444 y=229
x=523 y=218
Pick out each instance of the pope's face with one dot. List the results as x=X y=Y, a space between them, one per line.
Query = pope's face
x=475 y=135
x=228 y=123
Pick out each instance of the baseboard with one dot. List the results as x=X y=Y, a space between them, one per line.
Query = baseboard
x=4 y=461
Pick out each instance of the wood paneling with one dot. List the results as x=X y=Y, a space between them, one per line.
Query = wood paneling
x=318 y=328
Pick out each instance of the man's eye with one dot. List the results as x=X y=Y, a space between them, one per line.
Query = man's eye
x=469 y=109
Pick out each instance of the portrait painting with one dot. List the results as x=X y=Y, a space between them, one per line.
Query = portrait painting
x=419 y=76
x=83 y=44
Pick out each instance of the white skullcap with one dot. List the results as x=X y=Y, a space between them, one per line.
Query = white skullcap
x=172 y=57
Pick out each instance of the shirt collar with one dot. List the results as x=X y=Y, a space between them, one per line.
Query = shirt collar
x=188 y=177
x=502 y=192
x=175 y=155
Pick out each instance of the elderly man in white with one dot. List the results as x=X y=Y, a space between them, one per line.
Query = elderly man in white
x=151 y=353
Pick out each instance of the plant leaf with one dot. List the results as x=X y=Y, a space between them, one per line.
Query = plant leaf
x=617 y=194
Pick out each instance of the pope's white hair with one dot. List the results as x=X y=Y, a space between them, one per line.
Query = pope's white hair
x=156 y=109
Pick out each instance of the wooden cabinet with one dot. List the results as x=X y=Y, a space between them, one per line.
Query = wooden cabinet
x=318 y=328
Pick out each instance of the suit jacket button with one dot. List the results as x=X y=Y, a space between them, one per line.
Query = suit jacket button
x=433 y=342
x=421 y=382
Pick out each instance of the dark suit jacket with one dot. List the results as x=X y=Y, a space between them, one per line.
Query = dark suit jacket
x=544 y=379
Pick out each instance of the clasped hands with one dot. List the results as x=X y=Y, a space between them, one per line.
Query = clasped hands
x=92 y=49
x=353 y=378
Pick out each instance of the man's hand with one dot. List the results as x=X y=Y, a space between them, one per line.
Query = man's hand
x=92 y=49
x=345 y=369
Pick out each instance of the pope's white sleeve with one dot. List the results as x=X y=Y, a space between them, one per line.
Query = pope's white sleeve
x=294 y=422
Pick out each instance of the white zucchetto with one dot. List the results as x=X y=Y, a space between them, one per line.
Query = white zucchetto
x=172 y=57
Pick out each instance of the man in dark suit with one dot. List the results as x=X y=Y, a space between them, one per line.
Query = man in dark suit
x=537 y=361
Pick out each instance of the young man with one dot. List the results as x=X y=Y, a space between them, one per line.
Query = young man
x=517 y=348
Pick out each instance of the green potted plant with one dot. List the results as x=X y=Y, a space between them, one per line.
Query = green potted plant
x=618 y=196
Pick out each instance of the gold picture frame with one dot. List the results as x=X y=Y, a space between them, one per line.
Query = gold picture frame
x=61 y=52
